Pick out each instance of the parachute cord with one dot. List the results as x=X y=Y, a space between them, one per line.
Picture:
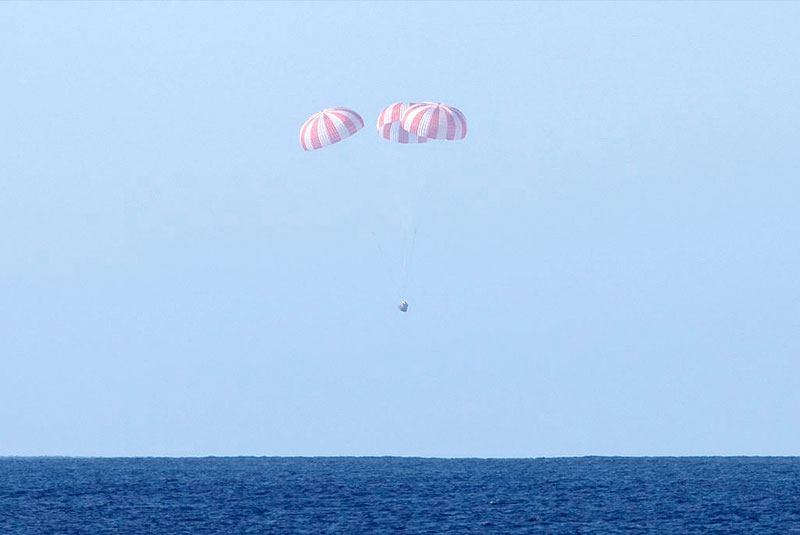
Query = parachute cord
x=417 y=191
x=384 y=260
x=407 y=263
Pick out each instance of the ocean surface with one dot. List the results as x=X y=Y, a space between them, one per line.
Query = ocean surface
x=591 y=495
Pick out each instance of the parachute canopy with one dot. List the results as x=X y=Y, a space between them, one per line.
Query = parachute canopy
x=389 y=124
x=435 y=120
x=329 y=126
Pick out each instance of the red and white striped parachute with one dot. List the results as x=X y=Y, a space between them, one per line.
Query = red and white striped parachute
x=329 y=126
x=435 y=121
x=389 y=124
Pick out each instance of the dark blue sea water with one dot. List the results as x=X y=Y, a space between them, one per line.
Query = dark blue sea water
x=353 y=496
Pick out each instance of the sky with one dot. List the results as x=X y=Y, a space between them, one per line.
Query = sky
x=606 y=265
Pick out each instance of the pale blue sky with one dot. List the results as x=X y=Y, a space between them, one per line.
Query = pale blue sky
x=607 y=264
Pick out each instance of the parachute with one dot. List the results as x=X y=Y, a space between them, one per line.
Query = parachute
x=389 y=124
x=329 y=126
x=435 y=121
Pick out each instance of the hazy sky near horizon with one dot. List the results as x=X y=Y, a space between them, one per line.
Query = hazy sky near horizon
x=607 y=265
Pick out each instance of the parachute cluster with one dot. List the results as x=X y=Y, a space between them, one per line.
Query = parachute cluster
x=401 y=122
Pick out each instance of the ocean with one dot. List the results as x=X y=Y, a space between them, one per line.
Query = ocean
x=380 y=495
